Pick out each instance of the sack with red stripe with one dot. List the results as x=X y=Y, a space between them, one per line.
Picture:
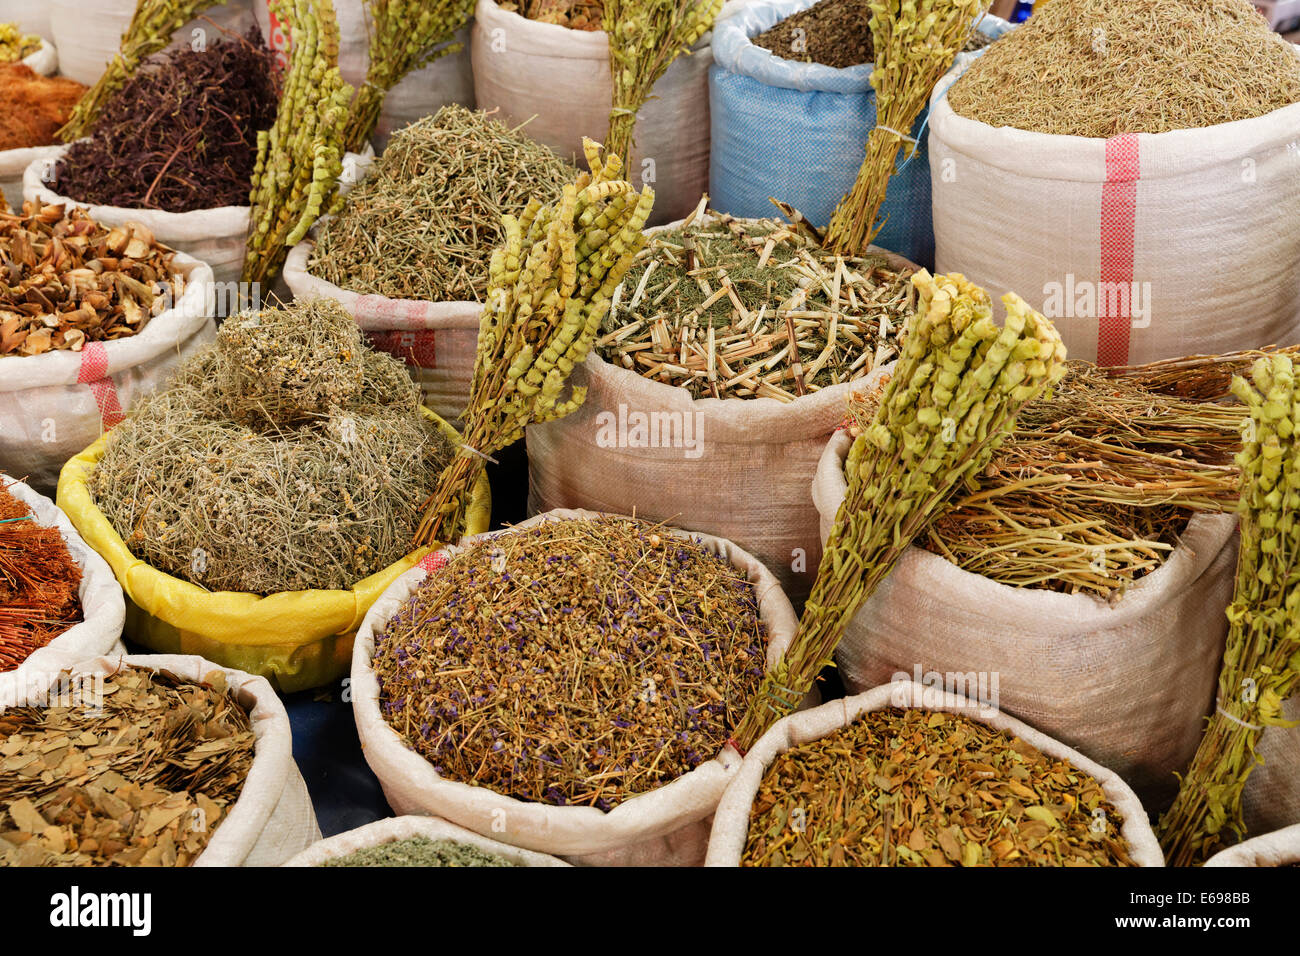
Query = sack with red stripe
x=55 y=404
x=1139 y=247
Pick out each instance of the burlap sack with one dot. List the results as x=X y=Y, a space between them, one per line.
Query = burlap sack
x=1280 y=848
x=737 y=468
x=102 y=608
x=1139 y=247
x=403 y=828
x=668 y=826
x=54 y=405
x=273 y=818
x=1271 y=800
x=1126 y=684
x=731 y=822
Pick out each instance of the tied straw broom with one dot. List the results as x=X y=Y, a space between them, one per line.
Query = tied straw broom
x=405 y=35
x=915 y=43
x=645 y=37
x=300 y=157
x=150 y=31
x=1261 y=662
x=953 y=398
x=549 y=287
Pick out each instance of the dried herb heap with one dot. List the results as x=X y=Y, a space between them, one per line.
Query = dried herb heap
x=832 y=32
x=1100 y=68
x=1261 y=663
x=753 y=309
x=16 y=45
x=287 y=457
x=549 y=287
x=39 y=583
x=423 y=223
x=926 y=788
x=68 y=280
x=405 y=35
x=577 y=662
x=420 y=851
x=145 y=782
x=951 y=402
x=916 y=42
x=181 y=135
x=149 y=32
x=300 y=159
x=33 y=107
x=574 y=14
x=1094 y=486
x=645 y=37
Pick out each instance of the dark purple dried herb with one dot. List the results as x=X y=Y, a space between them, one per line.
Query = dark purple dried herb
x=182 y=134
x=577 y=662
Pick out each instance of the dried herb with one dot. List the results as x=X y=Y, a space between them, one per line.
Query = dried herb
x=289 y=456
x=423 y=223
x=419 y=851
x=182 y=133
x=927 y=788
x=16 y=45
x=300 y=158
x=645 y=37
x=1261 y=663
x=832 y=32
x=1100 y=68
x=145 y=782
x=550 y=285
x=719 y=309
x=65 y=280
x=33 y=107
x=576 y=662
x=39 y=583
x=574 y=14
x=953 y=399
x=916 y=42
x=150 y=30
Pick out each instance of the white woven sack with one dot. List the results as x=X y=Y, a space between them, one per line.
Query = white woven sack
x=667 y=826
x=1128 y=684
x=1280 y=848
x=32 y=16
x=1139 y=247
x=561 y=77
x=731 y=822
x=392 y=829
x=739 y=468
x=103 y=610
x=272 y=820
x=88 y=33
x=1272 y=796
x=45 y=61
x=53 y=406
x=437 y=340
x=13 y=166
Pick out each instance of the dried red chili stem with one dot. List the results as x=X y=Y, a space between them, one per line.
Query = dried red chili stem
x=39 y=584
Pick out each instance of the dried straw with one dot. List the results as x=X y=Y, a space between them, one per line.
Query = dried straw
x=1099 y=68
x=287 y=457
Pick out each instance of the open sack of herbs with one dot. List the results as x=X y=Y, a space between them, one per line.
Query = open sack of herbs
x=151 y=761
x=32 y=110
x=569 y=686
x=174 y=149
x=1089 y=568
x=85 y=310
x=417 y=841
x=906 y=776
x=739 y=341
x=59 y=601
x=408 y=254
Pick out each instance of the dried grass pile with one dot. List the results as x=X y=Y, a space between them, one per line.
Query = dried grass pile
x=288 y=456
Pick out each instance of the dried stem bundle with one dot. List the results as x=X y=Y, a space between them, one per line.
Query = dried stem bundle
x=952 y=400
x=149 y=32
x=1261 y=663
x=300 y=157
x=916 y=42
x=405 y=35
x=753 y=309
x=550 y=286
x=645 y=37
